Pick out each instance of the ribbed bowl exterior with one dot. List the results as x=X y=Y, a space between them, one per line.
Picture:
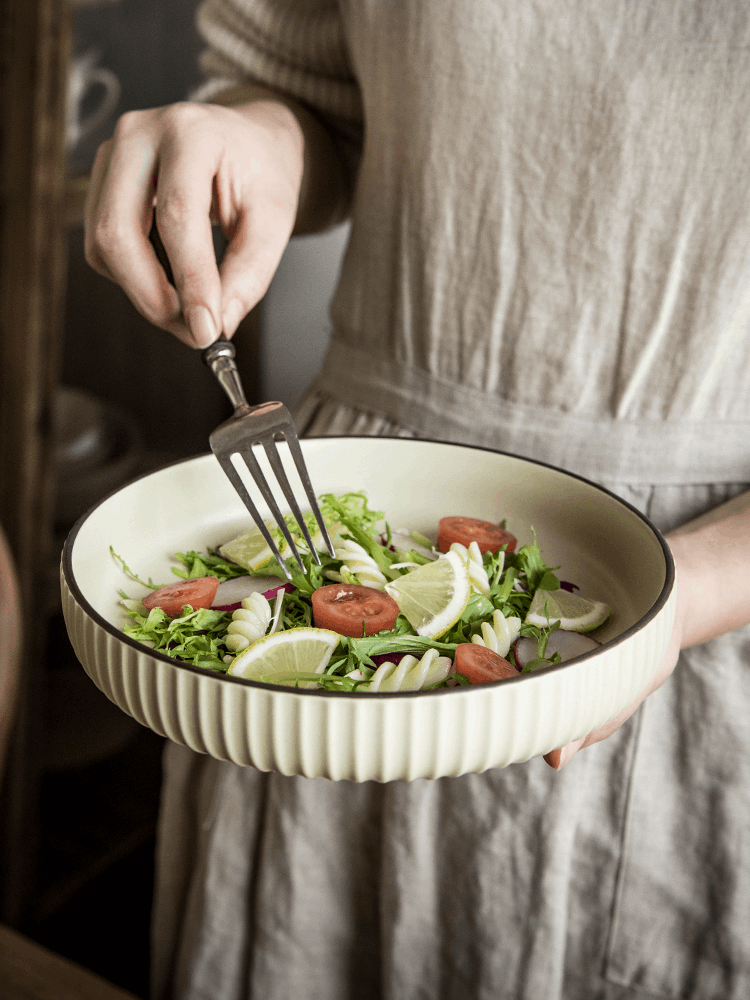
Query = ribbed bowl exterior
x=368 y=737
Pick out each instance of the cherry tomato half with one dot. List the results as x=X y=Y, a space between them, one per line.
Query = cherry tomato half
x=353 y=610
x=488 y=536
x=198 y=593
x=479 y=664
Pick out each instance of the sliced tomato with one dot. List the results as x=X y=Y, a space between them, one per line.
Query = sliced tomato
x=198 y=593
x=350 y=609
x=479 y=664
x=488 y=536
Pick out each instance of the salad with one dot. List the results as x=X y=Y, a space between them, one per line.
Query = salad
x=392 y=611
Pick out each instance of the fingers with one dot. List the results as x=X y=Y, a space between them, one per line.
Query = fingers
x=265 y=187
x=118 y=222
x=93 y=195
x=175 y=165
x=183 y=219
x=557 y=759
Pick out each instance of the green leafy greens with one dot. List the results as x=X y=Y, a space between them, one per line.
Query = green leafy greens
x=198 y=637
x=195 y=636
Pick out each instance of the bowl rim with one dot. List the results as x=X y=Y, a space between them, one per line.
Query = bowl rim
x=654 y=610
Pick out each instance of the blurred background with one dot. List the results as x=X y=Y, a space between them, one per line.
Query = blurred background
x=146 y=51
x=90 y=396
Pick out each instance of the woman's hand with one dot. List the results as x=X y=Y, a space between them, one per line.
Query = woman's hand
x=558 y=758
x=712 y=586
x=184 y=165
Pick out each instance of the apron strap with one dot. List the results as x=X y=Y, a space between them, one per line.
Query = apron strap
x=660 y=453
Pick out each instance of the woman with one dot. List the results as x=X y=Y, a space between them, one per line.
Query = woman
x=549 y=255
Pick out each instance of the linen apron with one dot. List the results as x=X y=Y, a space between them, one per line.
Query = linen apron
x=550 y=255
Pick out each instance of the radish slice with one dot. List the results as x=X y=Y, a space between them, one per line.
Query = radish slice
x=403 y=542
x=567 y=644
x=232 y=592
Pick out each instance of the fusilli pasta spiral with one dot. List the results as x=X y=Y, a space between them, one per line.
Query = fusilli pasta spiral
x=249 y=623
x=500 y=635
x=358 y=566
x=473 y=559
x=410 y=674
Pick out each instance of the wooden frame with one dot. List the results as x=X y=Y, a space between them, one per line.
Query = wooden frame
x=34 y=52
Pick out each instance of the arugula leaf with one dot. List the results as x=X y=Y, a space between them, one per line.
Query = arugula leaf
x=478 y=608
x=313 y=576
x=207 y=564
x=542 y=636
x=359 y=521
x=133 y=576
x=529 y=561
x=405 y=556
x=505 y=588
x=494 y=566
x=384 y=643
x=196 y=567
x=548 y=582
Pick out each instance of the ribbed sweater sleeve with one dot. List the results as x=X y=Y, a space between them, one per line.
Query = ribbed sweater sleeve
x=297 y=46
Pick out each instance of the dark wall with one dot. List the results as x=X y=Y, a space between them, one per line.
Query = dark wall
x=151 y=45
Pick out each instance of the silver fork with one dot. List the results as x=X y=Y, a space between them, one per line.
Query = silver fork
x=263 y=424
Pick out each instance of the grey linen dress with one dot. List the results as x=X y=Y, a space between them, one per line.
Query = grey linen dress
x=550 y=255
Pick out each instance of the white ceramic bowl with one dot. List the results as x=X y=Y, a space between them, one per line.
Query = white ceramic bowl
x=599 y=542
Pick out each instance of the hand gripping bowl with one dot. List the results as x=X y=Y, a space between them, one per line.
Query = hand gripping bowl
x=601 y=543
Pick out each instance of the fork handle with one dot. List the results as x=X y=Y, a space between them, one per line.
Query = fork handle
x=219 y=357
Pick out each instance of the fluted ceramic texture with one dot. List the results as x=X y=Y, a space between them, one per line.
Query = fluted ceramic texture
x=361 y=737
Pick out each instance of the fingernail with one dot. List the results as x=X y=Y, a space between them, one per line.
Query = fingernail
x=201 y=325
x=557 y=759
x=233 y=314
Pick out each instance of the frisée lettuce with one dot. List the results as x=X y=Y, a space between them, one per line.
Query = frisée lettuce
x=366 y=550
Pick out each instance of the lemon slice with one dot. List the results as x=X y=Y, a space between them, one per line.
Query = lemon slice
x=281 y=656
x=575 y=614
x=433 y=596
x=251 y=551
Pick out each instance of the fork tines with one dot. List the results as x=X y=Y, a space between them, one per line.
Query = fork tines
x=264 y=425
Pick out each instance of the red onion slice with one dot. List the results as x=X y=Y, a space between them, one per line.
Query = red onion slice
x=380 y=658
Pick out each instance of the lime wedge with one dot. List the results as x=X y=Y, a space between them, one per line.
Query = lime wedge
x=286 y=654
x=575 y=614
x=251 y=550
x=433 y=596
